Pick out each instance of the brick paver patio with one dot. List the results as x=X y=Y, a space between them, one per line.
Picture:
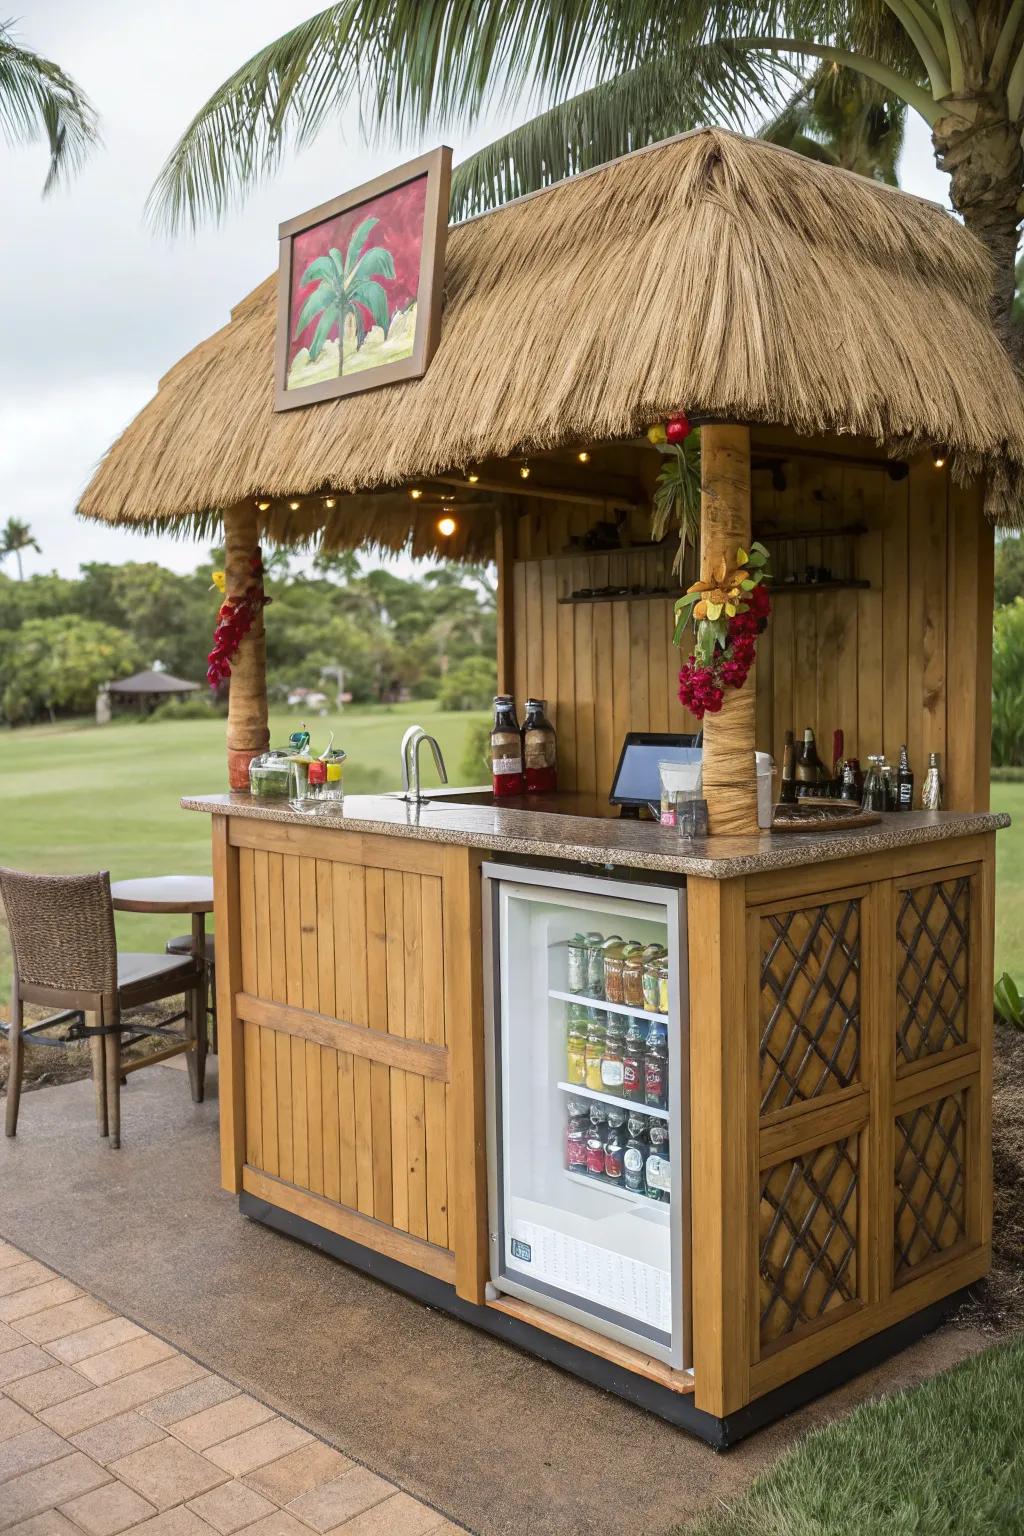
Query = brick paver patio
x=105 y=1429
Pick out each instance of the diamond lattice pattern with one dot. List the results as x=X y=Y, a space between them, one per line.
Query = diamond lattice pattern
x=810 y=1002
x=808 y=1258
x=933 y=933
x=929 y=1211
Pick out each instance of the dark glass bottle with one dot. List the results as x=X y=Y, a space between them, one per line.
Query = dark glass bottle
x=787 y=786
x=848 y=784
x=506 y=749
x=904 y=783
x=540 y=756
x=811 y=773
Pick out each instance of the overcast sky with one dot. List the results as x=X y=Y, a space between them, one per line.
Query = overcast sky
x=95 y=305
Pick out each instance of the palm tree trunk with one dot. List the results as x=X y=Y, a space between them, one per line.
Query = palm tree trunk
x=21 y=573
x=729 y=776
x=248 y=732
x=983 y=155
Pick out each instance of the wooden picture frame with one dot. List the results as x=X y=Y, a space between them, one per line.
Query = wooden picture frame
x=428 y=179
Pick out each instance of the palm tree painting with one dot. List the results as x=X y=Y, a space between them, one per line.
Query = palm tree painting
x=348 y=286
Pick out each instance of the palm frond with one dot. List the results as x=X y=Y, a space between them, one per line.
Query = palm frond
x=39 y=100
x=719 y=84
x=844 y=119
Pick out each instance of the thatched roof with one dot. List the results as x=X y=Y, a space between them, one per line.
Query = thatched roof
x=712 y=273
x=152 y=682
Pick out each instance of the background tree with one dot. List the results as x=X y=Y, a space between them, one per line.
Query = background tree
x=846 y=120
x=38 y=100
x=15 y=538
x=648 y=67
x=1009 y=582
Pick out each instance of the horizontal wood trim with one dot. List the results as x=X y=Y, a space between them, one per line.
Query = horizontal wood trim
x=792 y=1133
x=154 y=1060
x=818 y=880
x=340 y=1219
x=430 y=1061
x=595 y=1343
x=808 y=1330
x=371 y=850
x=773 y=908
x=917 y=1293
x=958 y=871
x=940 y=1078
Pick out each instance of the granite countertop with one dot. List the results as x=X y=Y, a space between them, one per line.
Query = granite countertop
x=601 y=839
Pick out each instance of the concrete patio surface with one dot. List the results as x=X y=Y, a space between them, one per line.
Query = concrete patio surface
x=490 y=1437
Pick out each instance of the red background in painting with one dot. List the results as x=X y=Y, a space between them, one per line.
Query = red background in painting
x=400 y=212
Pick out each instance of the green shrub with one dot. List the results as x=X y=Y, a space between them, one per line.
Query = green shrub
x=470 y=685
x=1008 y=685
x=1009 y=1005
x=475 y=767
x=195 y=706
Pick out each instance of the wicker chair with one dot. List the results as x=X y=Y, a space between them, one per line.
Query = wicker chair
x=65 y=956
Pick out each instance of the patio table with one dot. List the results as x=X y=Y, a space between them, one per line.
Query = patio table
x=169 y=893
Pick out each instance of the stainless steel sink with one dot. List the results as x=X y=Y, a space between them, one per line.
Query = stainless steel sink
x=480 y=795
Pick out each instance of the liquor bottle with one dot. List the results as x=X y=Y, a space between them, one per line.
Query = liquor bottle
x=858 y=777
x=848 y=783
x=506 y=749
x=596 y=1136
x=931 y=789
x=837 y=763
x=787 y=785
x=615 y=1148
x=576 y=1045
x=811 y=773
x=576 y=1126
x=596 y=1036
x=634 y=1159
x=658 y=1171
x=888 y=782
x=539 y=750
x=904 y=782
x=633 y=1061
x=656 y=1068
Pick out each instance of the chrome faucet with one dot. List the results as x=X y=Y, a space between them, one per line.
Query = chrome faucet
x=413 y=739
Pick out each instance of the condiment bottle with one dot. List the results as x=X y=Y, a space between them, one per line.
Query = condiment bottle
x=612 y=1061
x=633 y=1060
x=614 y=956
x=506 y=749
x=656 y=1068
x=596 y=1039
x=539 y=750
x=576 y=1045
x=633 y=980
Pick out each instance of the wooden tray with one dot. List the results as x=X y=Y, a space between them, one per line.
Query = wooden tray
x=814 y=815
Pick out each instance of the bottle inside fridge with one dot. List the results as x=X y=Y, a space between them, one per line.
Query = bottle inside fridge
x=587 y=1102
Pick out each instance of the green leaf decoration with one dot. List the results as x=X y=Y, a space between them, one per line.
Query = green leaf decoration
x=318 y=301
x=376 y=262
x=741 y=557
x=714 y=610
x=322 y=268
x=360 y=235
x=327 y=320
x=747 y=585
x=339 y=265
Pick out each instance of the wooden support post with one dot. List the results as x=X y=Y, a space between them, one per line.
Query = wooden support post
x=248 y=732
x=730 y=776
x=504 y=556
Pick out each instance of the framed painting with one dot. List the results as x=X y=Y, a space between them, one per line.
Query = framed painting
x=359 y=285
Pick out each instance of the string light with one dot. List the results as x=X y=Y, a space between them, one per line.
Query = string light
x=446 y=526
x=294 y=505
x=939 y=457
x=583 y=456
x=330 y=501
x=415 y=493
x=472 y=475
x=263 y=506
x=524 y=470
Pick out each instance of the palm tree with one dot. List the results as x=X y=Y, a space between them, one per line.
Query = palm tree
x=843 y=119
x=15 y=538
x=649 y=68
x=38 y=100
x=348 y=286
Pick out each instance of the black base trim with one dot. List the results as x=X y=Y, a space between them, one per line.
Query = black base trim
x=676 y=1407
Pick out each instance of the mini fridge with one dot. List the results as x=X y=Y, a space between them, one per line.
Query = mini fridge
x=587 y=1101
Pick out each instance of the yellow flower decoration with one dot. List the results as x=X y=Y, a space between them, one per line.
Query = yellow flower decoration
x=219 y=581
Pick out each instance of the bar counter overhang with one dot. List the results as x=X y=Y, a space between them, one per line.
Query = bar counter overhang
x=828 y=1212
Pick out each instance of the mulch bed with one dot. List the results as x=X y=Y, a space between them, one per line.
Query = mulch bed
x=45 y=1066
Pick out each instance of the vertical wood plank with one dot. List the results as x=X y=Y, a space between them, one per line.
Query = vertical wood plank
x=869 y=487
x=583 y=649
x=229 y=979
x=293 y=974
x=394 y=981
x=565 y=720
x=282 y=1043
x=504 y=557
x=979 y=1188
x=380 y=1086
x=360 y=1069
x=463 y=991
x=895 y=618
x=311 y=1000
x=519 y=581
x=327 y=987
x=434 y=1093
x=250 y=984
x=876 y=1209
x=415 y=1130
x=343 y=901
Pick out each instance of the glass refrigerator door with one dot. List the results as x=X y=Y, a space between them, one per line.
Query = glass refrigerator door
x=587 y=1104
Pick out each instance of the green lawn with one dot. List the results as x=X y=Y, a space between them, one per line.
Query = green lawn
x=81 y=798
x=1010 y=881
x=943 y=1459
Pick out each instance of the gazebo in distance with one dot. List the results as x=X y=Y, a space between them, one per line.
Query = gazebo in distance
x=142 y=691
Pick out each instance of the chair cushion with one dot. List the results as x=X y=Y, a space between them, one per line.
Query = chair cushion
x=133 y=969
x=182 y=945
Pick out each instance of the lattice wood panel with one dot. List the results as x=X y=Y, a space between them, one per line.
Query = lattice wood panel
x=933 y=938
x=929 y=1214
x=809 y=1002
x=808 y=1238
x=363 y=946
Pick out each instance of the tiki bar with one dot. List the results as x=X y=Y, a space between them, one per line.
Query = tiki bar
x=694 y=1100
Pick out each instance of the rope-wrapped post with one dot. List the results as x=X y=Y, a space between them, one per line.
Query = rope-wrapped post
x=248 y=730
x=730 y=772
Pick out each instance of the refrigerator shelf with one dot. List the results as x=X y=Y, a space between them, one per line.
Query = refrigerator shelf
x=599 y=1002
x=659 y=1209
x=629 y=1105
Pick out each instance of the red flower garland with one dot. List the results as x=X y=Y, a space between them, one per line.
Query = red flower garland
x=701 y=688
x=234 y=621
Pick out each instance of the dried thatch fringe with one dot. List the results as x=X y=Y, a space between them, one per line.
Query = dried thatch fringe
x=715 y=274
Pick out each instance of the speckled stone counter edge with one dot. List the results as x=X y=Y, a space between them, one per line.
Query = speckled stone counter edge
x=585 y=840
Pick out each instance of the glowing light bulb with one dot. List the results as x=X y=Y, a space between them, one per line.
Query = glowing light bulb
x=472 y=475
x=294 y=506
x=446 y=526
x=330 y=501
x=939 y=458
x=263 y=506
x=583 y=456
x=524 y=470
x=415 y=493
